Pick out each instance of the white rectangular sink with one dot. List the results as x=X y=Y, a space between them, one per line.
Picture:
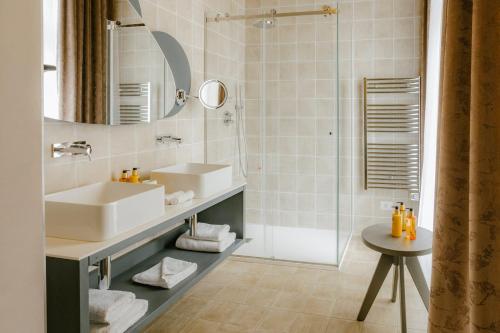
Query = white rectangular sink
x=203 y=179
x=101 y=211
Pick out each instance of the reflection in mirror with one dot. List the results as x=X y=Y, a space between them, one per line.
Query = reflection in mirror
x=102 y=65
x=144 y=88
x=212 y=94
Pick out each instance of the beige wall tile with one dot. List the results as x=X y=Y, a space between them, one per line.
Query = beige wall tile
x=130 y=146
x=94 y=171
x=60 y=177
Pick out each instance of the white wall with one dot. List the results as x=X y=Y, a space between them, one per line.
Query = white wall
x=22 y=282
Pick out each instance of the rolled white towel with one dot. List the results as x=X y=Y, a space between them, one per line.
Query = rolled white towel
x=185 y=196
x=185 y=242
x=178 y=197
x=167 y=273
x=170 y=196
x=134 y=312
x=105 y=306
x=211 y=232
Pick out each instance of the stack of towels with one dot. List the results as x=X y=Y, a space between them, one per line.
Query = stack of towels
x=178 y=197
x=208 y=238
x=167 y=273
x=114 y=311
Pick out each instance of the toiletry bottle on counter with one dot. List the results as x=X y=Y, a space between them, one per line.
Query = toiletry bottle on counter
x=397 y=225
x=402 y=212
x=407 y=221
x=134 y=178
x=124 y=177
x=412 y=225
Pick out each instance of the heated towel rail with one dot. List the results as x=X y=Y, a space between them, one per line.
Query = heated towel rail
x=134 y=113
x=392 y=133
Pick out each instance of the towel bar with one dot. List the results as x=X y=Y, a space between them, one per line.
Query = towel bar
x=391 y=165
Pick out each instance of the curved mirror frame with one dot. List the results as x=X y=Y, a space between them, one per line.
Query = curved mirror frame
x=176 y=58
x=212 y=94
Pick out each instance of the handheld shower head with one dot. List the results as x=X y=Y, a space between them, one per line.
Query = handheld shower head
x=265 y=24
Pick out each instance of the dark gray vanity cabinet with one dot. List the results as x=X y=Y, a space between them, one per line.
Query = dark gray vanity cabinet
x=69 y=277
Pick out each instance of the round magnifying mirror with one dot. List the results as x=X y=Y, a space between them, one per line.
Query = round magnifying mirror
x=213 y=94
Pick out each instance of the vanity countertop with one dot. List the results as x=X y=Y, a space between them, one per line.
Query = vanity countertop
x=78 y=250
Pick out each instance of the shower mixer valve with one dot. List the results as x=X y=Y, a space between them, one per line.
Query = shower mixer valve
x=228 y=118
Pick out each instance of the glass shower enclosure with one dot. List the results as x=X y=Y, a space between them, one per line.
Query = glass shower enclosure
x=297 y=94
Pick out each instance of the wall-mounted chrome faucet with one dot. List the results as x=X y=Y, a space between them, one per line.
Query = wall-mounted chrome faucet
x=168 y=139
x=72 y=149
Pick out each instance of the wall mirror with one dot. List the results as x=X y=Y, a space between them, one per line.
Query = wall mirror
x=102 y=65
x=213 y=94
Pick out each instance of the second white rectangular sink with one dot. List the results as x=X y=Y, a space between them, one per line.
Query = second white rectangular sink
x=100 y=211
x=203 y=179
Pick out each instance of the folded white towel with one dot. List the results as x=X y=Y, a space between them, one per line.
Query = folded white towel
x=178 y=197
x=185 y=242
x=167 y=273
x=211 y=232
x=106 y=306
x=134 y=312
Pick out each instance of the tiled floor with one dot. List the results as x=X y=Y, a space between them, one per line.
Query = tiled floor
x=256 y=295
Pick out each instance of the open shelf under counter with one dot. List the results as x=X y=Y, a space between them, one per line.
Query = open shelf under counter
x=159 y=299
x=69 y=262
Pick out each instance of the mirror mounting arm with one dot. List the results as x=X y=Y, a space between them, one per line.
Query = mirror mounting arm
x=181 y=96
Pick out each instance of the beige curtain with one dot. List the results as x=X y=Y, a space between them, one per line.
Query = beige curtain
x=465 y=287
x=81 y=63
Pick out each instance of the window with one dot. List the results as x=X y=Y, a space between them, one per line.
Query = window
x=50 y=98
x=433 y=79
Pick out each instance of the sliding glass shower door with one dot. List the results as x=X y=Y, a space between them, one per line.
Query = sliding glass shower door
x=298 y=199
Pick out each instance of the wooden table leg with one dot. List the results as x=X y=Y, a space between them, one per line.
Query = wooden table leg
x=402 y=293
x=384 y=265
x=395 y=284
x=419 y=279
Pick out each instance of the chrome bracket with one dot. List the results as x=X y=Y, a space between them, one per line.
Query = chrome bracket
x=180 y=97
x=104 y=273
x=193 y=224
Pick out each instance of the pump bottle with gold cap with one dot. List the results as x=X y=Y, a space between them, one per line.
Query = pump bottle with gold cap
x=124 y=177
x=402 y=212
x=412 y=225
x=397 y=224
x=134 y=178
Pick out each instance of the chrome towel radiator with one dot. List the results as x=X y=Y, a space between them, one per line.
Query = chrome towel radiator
x=392 y=133
x=135 y=113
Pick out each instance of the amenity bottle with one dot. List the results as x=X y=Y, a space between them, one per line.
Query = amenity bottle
x=134 y=178
x=408 y=222
x=124 y=177
x=412 y=225
x=402 y=212
x=397 y=224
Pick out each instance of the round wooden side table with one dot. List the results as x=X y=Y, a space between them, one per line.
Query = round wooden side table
x=398 y=252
